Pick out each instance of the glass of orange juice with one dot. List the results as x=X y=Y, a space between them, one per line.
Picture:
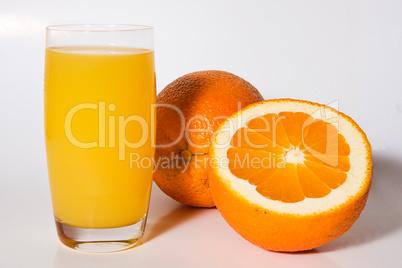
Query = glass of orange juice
x=100 y=132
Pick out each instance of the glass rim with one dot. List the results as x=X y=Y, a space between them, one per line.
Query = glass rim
x=90 y=27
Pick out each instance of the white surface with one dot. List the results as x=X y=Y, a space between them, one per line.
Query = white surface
x=325 y=51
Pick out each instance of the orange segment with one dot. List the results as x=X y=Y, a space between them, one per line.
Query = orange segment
x=270 y=125
x=283 y=185
x=262 y=176
x=322 y=137
x=331 y=176
x=246 y=138
x=335 y=161
x=341 y=149
x=344 y=148
x=240 y=162
x=311 y=184
x=330 y=146
x=318 y=135
x=294 y=123
x=318 y=131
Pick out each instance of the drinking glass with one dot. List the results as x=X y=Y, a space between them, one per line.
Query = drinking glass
x=100 y=132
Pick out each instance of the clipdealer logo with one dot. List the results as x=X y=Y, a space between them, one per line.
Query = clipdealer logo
x=112 y=134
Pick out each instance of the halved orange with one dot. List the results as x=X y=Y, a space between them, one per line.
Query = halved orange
x=290 y=175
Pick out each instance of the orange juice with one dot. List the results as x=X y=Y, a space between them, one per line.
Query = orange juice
x=98 y=114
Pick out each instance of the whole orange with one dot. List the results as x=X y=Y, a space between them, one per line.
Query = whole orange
x=189 y=110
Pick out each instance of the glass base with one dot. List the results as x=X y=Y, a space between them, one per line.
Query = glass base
x=101 y=240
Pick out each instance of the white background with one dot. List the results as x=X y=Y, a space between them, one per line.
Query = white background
x=347 y=52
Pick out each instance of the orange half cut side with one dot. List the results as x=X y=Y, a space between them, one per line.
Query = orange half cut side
x=315 y=156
